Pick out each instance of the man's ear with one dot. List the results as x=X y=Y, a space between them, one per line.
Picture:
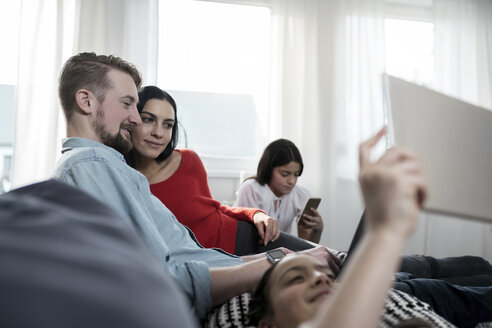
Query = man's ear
x=85 y=100
x=266 y=323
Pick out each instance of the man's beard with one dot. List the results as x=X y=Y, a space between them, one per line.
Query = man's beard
x=117 y=141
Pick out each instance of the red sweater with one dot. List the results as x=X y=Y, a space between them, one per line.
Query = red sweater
x=187 y=194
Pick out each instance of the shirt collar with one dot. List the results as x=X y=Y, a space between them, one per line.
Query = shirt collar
x=71 y=143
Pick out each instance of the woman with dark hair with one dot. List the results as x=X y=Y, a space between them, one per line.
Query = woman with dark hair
x=274 y=189
x=178 y=178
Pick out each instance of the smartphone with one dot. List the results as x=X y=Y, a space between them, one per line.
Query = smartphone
x=311 y=203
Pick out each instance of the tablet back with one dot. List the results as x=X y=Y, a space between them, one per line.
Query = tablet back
x=453 y=140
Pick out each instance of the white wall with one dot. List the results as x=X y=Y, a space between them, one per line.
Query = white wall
x=226 y=174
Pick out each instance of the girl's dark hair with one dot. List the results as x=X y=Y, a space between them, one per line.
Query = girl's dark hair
x=260 y=305
x=152 y=92
x=277 y=153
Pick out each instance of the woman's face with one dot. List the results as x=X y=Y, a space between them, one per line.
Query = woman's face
x=152 y=136
x=284 y=178
x=297 y=287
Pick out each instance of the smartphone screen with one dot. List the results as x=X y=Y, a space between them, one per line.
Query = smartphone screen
x=311 y=203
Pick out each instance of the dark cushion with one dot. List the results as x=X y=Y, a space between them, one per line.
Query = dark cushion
x=67 y=260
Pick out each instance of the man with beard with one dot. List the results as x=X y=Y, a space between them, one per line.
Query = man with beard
x=98 y=94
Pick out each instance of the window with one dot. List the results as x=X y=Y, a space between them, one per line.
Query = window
x=410 y=49
x=409 y=40
x=401 y=42
x=214 y=59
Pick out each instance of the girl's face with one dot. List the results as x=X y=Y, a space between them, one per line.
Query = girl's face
x=284 y=178
x=152 y=136
x=297 y=287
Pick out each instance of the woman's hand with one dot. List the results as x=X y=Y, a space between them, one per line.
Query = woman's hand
x=310 y=227
x=267 y=227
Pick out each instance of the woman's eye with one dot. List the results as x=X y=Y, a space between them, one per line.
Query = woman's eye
x=295 y=279
x=168 y=125
x=147 y=120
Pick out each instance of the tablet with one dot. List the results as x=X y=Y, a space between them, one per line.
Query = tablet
x=453 y=140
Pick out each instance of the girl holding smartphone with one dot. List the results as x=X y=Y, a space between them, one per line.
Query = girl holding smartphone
x=274 y=189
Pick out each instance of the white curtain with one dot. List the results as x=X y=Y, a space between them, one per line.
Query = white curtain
x=52 y=31
x=126 y=28
x=297 y=112
x=327 y=93
x=44 y=30
x=463 y=49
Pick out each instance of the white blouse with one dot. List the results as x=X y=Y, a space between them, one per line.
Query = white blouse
x=286 y=208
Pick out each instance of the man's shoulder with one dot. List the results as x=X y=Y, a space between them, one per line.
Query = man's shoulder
x=96 y=170
x=88 y=158
x=81 y=148
x=84 y=155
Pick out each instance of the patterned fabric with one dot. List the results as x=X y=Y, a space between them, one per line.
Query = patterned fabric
x=398 y=307
x=484 y=325
x=233 y=313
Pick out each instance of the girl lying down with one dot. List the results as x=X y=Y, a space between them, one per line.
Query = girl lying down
x=299 y=291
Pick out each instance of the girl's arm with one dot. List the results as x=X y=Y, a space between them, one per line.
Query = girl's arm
x=394 y=190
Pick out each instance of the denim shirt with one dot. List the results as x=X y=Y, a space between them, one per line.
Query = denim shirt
x=103 y=173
